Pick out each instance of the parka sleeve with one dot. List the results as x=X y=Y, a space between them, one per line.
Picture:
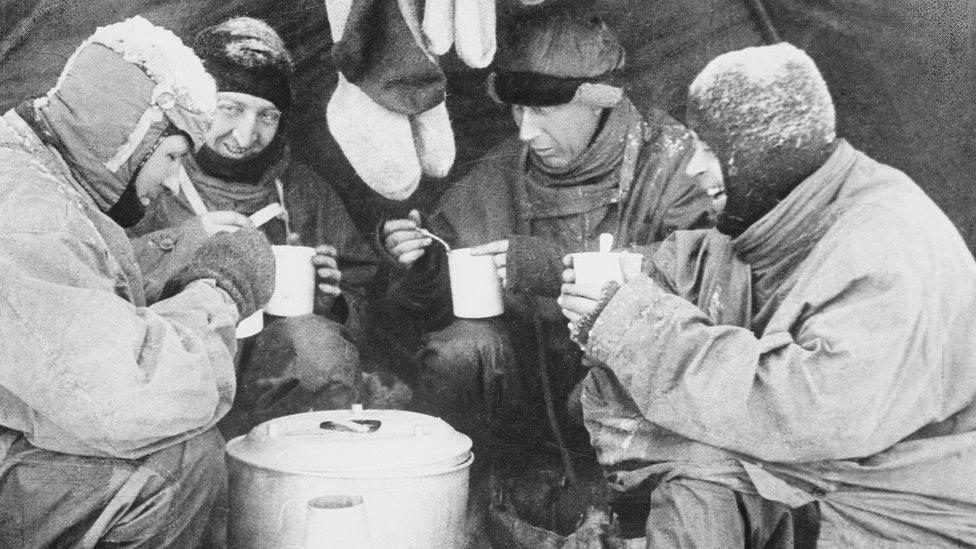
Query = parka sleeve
x=843 y=369
x=90 y=366
x=162 y=253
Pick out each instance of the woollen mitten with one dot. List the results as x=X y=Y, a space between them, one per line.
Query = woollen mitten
x=535 y=265
x=241 y=263
x=434 y=140
x=474 y=32
x=377 y=142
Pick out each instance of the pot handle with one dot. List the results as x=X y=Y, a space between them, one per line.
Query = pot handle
x=354 y=425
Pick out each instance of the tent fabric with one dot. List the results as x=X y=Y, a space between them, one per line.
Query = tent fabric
x=901 y=72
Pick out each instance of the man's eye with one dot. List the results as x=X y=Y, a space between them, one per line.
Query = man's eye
x=270 y=117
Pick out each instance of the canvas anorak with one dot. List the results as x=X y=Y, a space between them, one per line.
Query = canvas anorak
x=87 y=365
x=824 y=355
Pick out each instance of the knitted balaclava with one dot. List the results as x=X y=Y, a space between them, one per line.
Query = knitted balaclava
x=121 y=91
x=767 y=114
x=245 y=55
x=554 y=60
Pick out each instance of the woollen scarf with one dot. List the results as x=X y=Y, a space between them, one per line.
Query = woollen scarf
x=781 y=239
x=245 y=185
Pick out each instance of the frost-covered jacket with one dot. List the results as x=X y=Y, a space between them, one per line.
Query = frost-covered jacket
x=827 y=354
x=86 y=365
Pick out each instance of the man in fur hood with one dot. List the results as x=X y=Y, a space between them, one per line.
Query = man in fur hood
x=108 y=400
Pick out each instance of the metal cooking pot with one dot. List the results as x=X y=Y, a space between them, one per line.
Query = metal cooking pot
x=410 y=469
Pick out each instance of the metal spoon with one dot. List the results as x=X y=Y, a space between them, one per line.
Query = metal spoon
x=428 y=234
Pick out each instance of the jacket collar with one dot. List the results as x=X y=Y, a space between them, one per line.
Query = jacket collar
x=798 y=222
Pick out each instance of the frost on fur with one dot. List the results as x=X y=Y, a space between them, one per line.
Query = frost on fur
x=162 y=55
x=254 y=42
x=764 y=97
x=184 y=92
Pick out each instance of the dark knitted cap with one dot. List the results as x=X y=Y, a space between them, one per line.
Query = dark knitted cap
x=245 y=55
x=555 y=60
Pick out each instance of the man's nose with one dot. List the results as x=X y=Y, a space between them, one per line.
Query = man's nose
x=695 y=165
x=244 y=130
x=175 y=179
x=528 y=127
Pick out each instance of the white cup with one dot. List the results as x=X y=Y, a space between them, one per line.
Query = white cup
x=336 y=521
x=476 y=289
x=294 y=292
x=598 y=268
x=251 y=325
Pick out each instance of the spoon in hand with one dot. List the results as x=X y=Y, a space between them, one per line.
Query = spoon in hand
x=428 y=234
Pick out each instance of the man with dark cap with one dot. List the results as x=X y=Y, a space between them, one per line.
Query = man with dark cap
x=244 y=166
x=802 y=375
x=108 y=399
x=585 y=161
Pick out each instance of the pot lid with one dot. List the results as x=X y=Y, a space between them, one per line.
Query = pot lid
x=352 y=441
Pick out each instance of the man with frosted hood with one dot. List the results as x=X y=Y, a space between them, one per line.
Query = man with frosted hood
x=107 y=402
x=585 y=161
x=804 y=374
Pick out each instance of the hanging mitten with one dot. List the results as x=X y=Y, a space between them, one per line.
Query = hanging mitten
x=434 y=140
x=438 y=26
x=432 y=134
x=338 y=12
x=386 y=72
x=377 y=142
x=474 y=32
x=378 y=53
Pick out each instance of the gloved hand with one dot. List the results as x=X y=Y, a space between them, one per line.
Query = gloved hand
x=241 y=263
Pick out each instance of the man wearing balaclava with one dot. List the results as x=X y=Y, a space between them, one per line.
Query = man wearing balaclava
x=585 y=161
x=108 y=400
x=803 y=374
x=245 y=165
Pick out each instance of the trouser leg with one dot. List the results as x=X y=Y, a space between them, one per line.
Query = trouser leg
x=688 y=513
x=49 y=499
x=467 y=375
x=297 y=364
